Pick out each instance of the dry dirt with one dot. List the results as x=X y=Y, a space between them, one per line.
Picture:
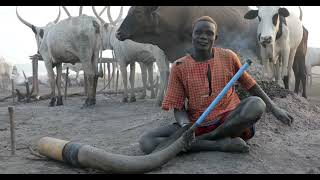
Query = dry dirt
x=116 y=127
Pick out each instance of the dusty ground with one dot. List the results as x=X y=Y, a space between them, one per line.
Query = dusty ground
x=116 y=127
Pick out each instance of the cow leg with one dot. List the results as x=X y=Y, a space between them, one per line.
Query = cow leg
x=290 y=64
x=51 y=77
x=113 y=73
x=123 y=69
x=77 y=76
x=132 y=79
x=90 y=76
x=286 y=68
x=58 y=82
x=163 y=67
x=144 y=80
x=277 y=72
x=85 y=84
x=150 y=74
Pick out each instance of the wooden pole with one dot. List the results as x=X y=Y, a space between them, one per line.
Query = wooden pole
x=66 y=85
x=117 y=79
x=104 y=74
x=12 y=130
x=108 y=66
x=12 y=88
x=35 y=79
x=28 y=95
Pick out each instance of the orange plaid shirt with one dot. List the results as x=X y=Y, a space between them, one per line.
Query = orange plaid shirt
x=188 y=80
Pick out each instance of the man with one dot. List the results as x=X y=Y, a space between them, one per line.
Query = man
x=199 y=78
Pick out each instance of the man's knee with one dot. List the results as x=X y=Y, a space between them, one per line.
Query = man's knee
x=147 y=143
x=253 y=108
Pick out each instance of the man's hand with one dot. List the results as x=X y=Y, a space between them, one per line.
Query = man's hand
x=282 y=115
x=188 y=137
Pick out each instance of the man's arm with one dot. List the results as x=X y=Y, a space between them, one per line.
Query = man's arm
x=181 y=117
x=279 y=113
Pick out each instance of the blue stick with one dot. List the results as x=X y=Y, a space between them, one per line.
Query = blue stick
x=222 y=93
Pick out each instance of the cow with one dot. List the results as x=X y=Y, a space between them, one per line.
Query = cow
x=7 y=72
x=279 y=34
x=73 y=40
x=299 y=64
x=129 y=52
x=170 y=27
x=312 y=59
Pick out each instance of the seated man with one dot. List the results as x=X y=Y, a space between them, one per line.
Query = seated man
x=199 y=78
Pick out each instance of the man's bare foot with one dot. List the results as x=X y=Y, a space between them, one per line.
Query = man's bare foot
x=233 y=145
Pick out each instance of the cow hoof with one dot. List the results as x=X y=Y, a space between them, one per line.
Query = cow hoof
x=143 y=96
x=133 y=99
x=159 y=103
x=52 y=102
x=59 y=101
x=125 y=99
x=87 y=106
x=152 y=96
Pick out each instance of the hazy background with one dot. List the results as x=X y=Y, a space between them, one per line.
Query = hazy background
x=18 y=42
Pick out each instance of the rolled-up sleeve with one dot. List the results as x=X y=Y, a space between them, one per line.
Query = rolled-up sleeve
x=175 y=94
x=245 y=80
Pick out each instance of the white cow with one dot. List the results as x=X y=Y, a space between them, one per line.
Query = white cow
x=129 y=52
x=73 y=40
x=279 y=35
x=312 y=59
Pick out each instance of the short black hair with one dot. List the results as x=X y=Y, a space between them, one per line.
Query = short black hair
x=205 y=18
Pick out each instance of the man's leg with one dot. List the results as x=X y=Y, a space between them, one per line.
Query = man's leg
x=244 y=116
x=151 y=139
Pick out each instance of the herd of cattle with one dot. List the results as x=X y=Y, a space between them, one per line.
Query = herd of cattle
x=162 y=34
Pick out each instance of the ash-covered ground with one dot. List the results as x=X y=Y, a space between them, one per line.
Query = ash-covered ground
x=116 y=127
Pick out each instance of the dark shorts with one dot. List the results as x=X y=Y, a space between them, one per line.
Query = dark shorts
x=248 y=133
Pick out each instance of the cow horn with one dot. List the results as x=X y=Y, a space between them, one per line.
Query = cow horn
x=103 y=10
x=109 y=16
x=120 y=15
x=22 y=20
x=57 y=19
x=118 y=18
x=66 y=10
x=96 y=14
x=80 y=10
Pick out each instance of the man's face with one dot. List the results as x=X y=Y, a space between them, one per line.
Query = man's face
x=203 y=35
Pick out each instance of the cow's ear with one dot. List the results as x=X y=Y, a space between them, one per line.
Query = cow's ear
x=150 y=9
x=251 y=14
x=41 y=33
x=34 y=29
x=283 y=12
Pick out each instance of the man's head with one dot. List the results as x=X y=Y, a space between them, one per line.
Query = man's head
x=204 y=33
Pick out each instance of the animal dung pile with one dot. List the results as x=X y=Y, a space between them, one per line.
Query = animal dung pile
x=271 y=88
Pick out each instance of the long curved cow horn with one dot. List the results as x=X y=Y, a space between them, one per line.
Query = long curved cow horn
x=22 y=20
x=118 y=18
x=120 y=15
x=83 y=155
x=80 y=10
x=57 y=19
x=103 y=10
x=96 y=14
x=66 y=10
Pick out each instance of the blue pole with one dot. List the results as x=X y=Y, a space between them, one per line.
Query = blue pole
x=222 y=93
